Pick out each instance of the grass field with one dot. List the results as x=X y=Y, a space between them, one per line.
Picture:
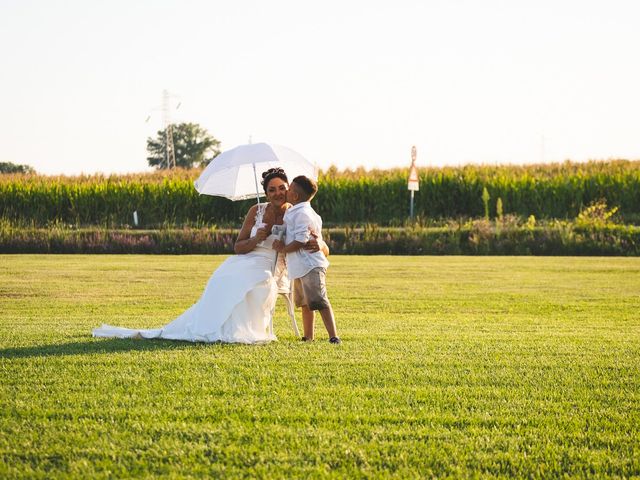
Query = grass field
x=450 y=366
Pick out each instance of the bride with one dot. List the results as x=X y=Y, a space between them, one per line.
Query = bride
x=239 y=298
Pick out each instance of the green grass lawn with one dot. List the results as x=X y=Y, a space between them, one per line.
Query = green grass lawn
x=450 y=366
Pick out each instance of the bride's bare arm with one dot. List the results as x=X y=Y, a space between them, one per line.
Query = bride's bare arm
x=314 y=245
x=245 y=243
x=324 y=247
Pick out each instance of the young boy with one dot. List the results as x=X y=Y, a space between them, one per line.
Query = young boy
x=307 y=270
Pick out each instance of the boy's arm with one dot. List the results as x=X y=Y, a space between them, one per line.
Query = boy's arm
x=289 y=248
x=293 y=246
x=301 y=235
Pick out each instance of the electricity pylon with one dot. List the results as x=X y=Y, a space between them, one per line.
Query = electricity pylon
x=169 y=150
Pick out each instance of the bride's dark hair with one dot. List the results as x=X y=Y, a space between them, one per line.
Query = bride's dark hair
x=271 y=174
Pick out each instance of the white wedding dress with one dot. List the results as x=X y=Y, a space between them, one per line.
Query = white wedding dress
x=236 y=305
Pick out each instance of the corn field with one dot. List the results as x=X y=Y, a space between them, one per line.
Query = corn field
x=345 y=197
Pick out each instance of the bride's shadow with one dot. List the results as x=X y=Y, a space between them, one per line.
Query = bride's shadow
x=94 y=347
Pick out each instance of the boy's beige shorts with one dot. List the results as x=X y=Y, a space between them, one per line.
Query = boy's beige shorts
x=311 y=290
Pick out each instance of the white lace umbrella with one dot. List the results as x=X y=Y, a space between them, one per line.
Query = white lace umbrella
x=235 y=174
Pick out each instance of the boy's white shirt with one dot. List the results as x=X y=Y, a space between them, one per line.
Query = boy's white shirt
x=300 y=220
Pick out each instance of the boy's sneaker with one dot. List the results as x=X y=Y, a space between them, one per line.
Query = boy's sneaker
x=305 y=339
x=335 y=340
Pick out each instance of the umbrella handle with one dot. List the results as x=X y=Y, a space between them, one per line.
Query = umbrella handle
x=255 y=177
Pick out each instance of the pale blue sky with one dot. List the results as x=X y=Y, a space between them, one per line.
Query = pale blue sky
x=343 y=82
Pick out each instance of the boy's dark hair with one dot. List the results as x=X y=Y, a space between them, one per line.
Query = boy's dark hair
x=307 y=187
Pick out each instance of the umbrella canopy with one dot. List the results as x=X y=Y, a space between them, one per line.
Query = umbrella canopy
x=236 y=173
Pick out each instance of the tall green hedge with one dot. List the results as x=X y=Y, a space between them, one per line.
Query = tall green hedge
x=352 y=197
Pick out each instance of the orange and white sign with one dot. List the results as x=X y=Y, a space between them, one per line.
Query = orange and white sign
x=414 y=182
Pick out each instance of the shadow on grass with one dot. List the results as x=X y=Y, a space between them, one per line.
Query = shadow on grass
x=98 y=346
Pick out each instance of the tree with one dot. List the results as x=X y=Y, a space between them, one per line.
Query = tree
x=192 y=144
x=8 y=167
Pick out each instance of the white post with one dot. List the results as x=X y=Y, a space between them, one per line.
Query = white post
x=411 y=207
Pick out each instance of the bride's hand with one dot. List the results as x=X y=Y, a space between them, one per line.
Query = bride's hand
x=312 y=245
x=261 y=234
